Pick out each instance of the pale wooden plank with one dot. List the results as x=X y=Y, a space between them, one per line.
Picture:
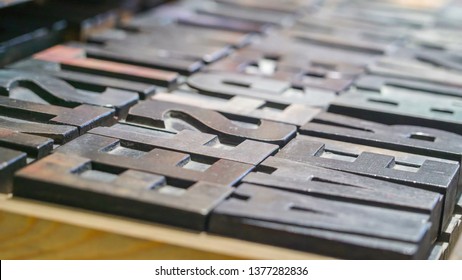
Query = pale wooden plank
x=25 y=237
x=147 y=231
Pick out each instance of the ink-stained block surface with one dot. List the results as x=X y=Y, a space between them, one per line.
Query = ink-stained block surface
x=242 y=107
x=178 y=117
x=317 y=225
x=118 y=154
x=16 y=151
x=49 y=90
x=81 y=182
x=341 y=186
x=433 y=174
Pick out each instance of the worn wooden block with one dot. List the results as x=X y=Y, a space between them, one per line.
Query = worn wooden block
x=273 y=17
x=143 y=56
x=242 y=107
x=341 y=186
x=183 y=15
x=270 y=90
x=382 y=193
x=389 y=14
x=16 y=150
x=408 y=67
x=415 y=103
x=232 y=129
x=416 y=171
x=10 y=162
x=200 y=39
x=59 y=123
x=329 y=22
x=405 y=138
x=182 y=49
x=285 y=6
x=90 y=82
x=74 y=59
x=168 y=54
x=192 y=142
x=315 y=224
x=81 y=182
x=351 y=42
x=331 y=71
x=34 y=146
x=329 y=50
x=387 y=85
x=301 y=70
x=116 y=154
x=49 y=90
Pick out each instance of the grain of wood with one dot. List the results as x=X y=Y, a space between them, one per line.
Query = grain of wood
x=35 y=230
x=176 y=243
x=24 y=237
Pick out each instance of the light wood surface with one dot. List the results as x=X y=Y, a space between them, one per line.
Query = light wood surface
x=25 y=237
x=37 y=230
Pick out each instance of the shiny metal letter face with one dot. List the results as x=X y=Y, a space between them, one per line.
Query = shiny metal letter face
x=118 y=154
x=49 y=90
x=178 y=117
x=413 y=170
x=81 y=182
x=319 y=225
